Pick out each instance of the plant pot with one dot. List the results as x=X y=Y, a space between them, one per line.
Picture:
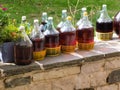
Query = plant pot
x=7 y=51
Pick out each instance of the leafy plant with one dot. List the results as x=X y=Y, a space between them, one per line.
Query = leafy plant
x=3 y=17
x=9 y=33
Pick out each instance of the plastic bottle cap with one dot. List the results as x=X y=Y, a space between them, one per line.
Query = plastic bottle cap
x=36 y=20
x=85 y=14
x=64 y=11
x=50 y=18
x=21 y=28
x=23 y=17
x=44 y=13
x=104 y=5
x=84 y=9
x=69 y=18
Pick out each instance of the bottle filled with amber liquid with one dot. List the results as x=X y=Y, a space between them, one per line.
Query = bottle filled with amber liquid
x=85 y=34
x=64 y=16
x=116 y=24
x=38 y=40
x=23 y=49
x=104 y=25
x=52 y=39
x=43 y=25
x=68 y=36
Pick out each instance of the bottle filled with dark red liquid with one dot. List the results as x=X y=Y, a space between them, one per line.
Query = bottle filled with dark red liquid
x=38 y=40
x=64 y=16
x=68 y=36
x=104 y=25
x=43 y=25
x=23 y=49
x=116 y=24
x=52 y=39
x=85 y=34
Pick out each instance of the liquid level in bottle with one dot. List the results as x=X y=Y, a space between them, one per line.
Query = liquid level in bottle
x=68 y=38
x=85 y=35
x=68 y=41
x=117 y=27
x=38 y=44
x=104 y=27
x=52 y=41
x=23 y=55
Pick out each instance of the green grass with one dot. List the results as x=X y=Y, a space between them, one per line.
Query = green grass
x=34 y=8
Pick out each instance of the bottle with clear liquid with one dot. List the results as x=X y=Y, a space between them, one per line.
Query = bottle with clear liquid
x=26 y=25
x=23 y=49
x=80 y=20
x=52 y=39
x=85 y=34
x=104 y=25
x=116 y=24
x=64 y=16
x=43 y=25
x=38 y=40
x=68 y=36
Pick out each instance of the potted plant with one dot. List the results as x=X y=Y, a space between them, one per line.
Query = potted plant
x=8 y=36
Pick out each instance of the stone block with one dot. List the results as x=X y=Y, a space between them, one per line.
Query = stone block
x=98 y=78
x=40 y=86
x=114 y=77
x=83 y=81
x=12 y=82
x=92 y=67
x=56 y=73
x=66 y=83
x=112 y=63
x=108 y=87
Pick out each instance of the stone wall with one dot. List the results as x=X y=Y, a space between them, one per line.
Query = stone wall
x=98 y=69
x=98 y=75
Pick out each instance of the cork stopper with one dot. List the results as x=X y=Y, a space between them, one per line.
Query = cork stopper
x=36 y=21
x=44 y=13
x=69 y=18
x=23 y=18
x=64 y=11
x=85 y=14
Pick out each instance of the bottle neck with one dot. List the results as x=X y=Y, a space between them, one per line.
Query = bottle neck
x=64 y=15
x=36 y=26
x=50 y=25
x=44 y=18
x=104 y=15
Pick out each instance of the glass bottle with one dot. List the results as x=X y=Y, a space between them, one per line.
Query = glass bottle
x=52 y=39
x=64 y=16
x=23 y=49
x=80 y=20
x=85 y=34
x=43 y=25
x=26 y=25
x=68 y=36
x=116 y=24
x=38 y=40
x=104 y=25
